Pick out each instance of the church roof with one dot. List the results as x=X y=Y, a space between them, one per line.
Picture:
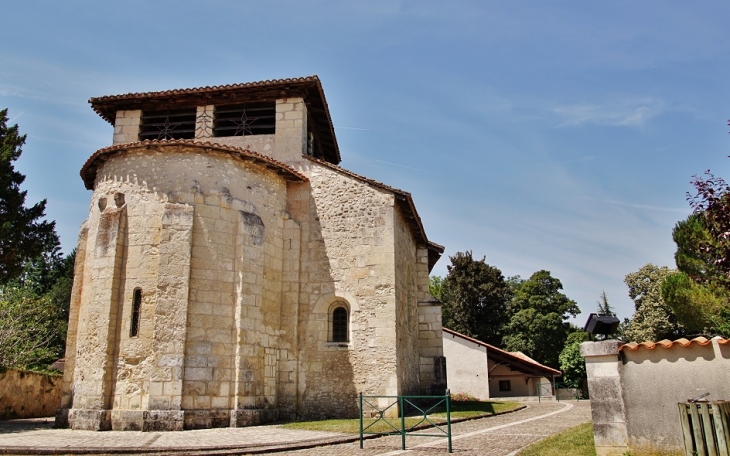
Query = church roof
x=405 y=202
x=309 y=88
x=88 y=171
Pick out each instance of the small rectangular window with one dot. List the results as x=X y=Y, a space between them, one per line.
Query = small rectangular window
x=505 y=385
x=136 y=310
x=167 y=124
x=245 y=119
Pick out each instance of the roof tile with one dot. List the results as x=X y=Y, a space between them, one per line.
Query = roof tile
x=88 y=171
x=668 y=344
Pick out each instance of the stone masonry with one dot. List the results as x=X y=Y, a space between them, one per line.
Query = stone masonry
x=211 y=264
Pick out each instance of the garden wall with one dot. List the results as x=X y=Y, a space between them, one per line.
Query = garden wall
x=29 y=394
x=635 y=388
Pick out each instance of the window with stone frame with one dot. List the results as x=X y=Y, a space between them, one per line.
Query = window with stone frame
x=339 y=322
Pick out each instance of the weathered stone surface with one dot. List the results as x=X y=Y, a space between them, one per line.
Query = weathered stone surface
x=28 y=394
x=205 y=285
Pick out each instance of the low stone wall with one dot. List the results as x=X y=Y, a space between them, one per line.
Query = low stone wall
x=29 y=395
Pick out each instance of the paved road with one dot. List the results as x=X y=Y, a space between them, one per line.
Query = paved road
x=500 y=435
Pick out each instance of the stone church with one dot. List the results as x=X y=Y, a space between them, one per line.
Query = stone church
x=231 y=273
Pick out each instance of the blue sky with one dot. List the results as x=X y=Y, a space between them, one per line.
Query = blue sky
x=543 y=135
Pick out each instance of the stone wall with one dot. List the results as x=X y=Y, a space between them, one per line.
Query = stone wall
x=126 y=126
x=287 y=144
x=29 y=394
x=349 y=255
x=634 y=393
x=406 y=321
x=180 y=223
x=430 y=348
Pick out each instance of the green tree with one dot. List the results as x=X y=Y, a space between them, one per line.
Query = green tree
x=28 y=329
x=694 y=244
x=711 y=204
x=475 y=297
x=537 y=326
x=698 y=293
x=43 y=291
x=653 y=319
x=572 y=363
x=434 y=286
x=22 y=233
x=604 y=308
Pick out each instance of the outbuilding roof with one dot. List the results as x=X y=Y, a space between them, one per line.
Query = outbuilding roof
x=88 y=171
x=404 y=201
x=515 y=360
x=309 y=88
x=668 y=344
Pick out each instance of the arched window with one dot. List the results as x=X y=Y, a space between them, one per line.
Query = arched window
x=339 y=319
x=136 y=311
x=339 y=325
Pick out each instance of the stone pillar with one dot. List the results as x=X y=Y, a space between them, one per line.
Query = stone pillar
x=168 y=344
x=432 y=364
x=93 y=382
x=250 y=356
x=604 y=369
x=289 y=344
x=291 y=130
x=204 y=121
x=73 y=322
x=126 y=126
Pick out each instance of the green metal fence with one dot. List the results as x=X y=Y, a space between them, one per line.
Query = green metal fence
x=393 y=411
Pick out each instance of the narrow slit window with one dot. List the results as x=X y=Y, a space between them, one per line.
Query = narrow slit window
x=339 y=325
x=136 y=310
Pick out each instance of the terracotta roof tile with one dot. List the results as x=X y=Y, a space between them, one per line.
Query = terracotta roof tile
x=88 y=171
x=201 y=90
x=669 y=344
x=405 y=201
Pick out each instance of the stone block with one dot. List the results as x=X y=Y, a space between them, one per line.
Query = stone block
x=163 y=420
x=253 y=417
x=89 y=420
x=601 y=348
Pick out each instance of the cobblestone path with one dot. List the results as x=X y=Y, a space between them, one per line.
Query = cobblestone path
x=500 y=435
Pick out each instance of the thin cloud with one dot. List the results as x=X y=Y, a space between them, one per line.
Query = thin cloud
x=629 y=113
x=403 y=166
x=648 y=207
x=351 y=128
x=14 y=120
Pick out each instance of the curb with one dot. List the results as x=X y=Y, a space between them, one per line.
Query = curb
x=220 y=450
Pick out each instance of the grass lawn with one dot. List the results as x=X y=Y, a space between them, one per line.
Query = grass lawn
x=578 y=441
x=460 y=409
